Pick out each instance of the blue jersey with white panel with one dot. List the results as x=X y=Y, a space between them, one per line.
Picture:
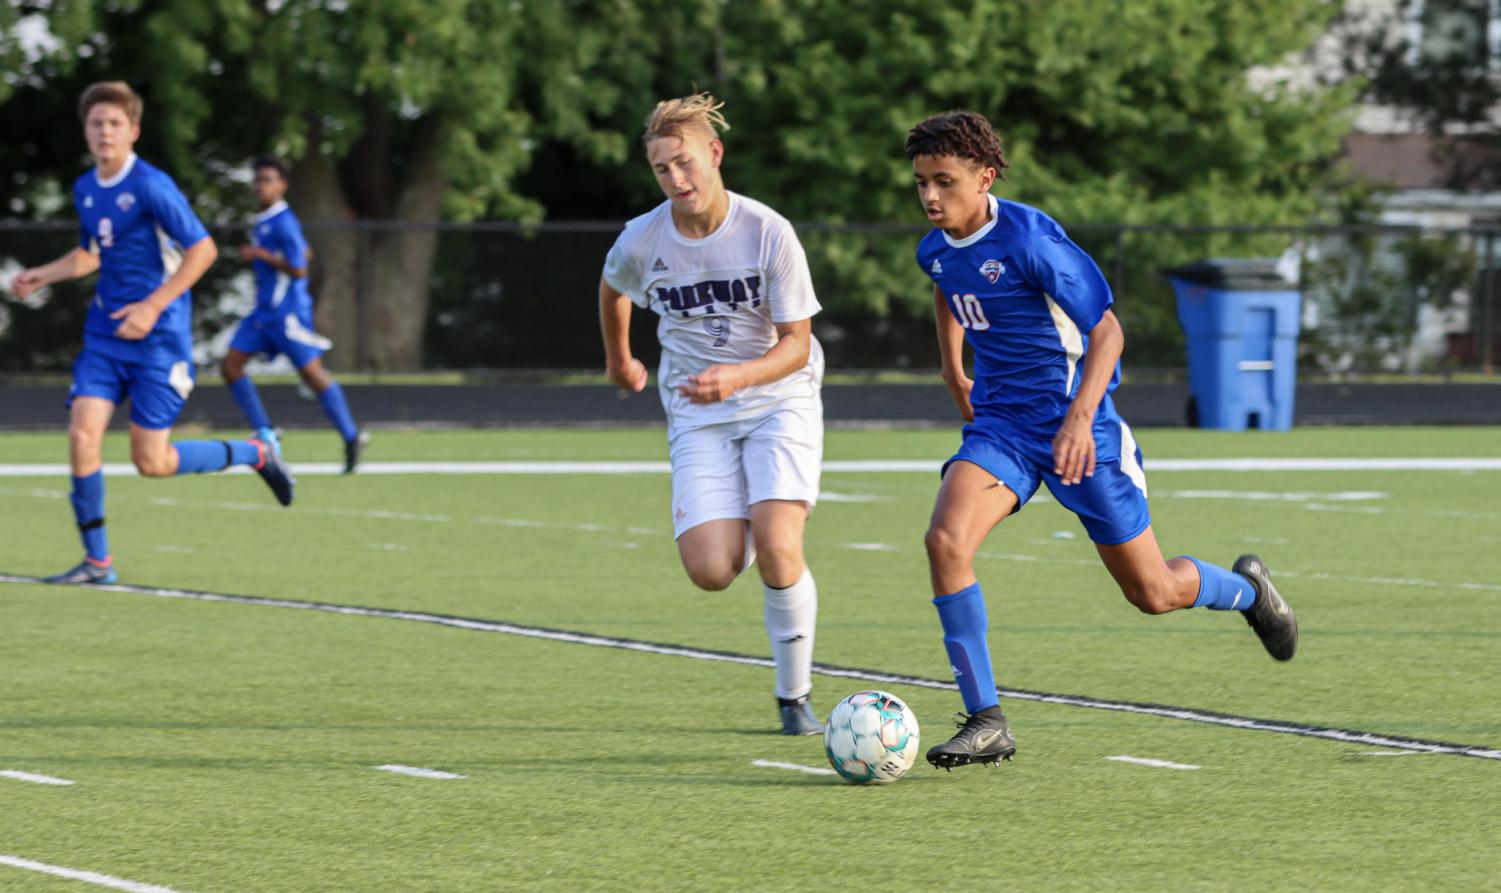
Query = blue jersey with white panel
x=279 y=231
x=1026 y=297
x=139 y=223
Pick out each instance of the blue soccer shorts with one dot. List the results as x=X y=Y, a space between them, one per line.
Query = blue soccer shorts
x=1111 y=504
x=157 y=393
x=272 y=333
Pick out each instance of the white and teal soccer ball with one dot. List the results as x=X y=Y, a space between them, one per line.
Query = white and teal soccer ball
x=871 y=738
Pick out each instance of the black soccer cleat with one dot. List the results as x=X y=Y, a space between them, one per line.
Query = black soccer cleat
x=86 y=573
x=983 y=737
x=798 y=717
x=275 y=472
x=352 y=450
x=1269 y=615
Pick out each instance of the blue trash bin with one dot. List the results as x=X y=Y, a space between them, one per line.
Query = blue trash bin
x=1241 y=321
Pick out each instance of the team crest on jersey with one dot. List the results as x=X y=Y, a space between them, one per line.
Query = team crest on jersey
x=992 y=270
x=125 y=200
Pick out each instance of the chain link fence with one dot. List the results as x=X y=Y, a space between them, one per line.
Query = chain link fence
x=509 y=296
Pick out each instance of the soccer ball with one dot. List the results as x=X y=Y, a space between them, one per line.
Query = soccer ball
x=871 y=738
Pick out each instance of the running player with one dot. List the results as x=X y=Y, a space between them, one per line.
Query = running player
x=149 y=248
x=739 y=379
x=282 y=322
x=1035 y=310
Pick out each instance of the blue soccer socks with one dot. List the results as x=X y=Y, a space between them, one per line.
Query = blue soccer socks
x=1222 y=590
x=965 y=623
x=245 y=394
x=337 y=410
x=88 y=511
x=199 y=456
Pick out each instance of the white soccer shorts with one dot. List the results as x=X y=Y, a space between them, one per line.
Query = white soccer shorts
x=720 y=471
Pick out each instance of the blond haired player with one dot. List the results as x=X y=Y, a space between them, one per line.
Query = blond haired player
x=739 y=378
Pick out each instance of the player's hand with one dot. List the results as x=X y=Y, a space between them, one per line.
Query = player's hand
x=1073 y=451
x=713 y=384
x=629 y=375
x=138 y=320
x=249 y=253
x=26 y=282
x=959 y=386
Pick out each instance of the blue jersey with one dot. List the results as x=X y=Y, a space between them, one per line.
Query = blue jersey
x=1026 y=296
x=139 y=223
x=277 y=230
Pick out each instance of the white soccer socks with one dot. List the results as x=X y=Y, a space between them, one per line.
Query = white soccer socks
x=790 y=617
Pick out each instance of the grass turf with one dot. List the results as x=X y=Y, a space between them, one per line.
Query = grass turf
x=227 y=747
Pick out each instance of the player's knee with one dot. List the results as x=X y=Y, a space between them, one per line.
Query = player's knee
x=153 y=463
x=230 y=370
x=779 y=549
x=314 y=377
x=715 y=577
x=84 y=442
x=945 y=547
x=1150 y=596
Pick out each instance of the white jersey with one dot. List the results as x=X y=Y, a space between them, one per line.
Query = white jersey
x=718 y=298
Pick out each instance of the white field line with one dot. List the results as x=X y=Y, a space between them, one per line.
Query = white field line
x=1156 y=764
x=1276 y=496
x=417 y=771
x=1395 y=753
x=924 y=466
x=835 y=496
x=795 y=767
x=88 y=877
x=1349 y=736
x=33 y=777
x=1406 y=582
x=385 y=515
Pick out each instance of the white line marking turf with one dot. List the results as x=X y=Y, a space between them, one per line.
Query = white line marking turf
x=1156 y=764
x=795 y=767
x=385 y=515
x=417 y=771
x=1186 y=714
x=1280 y=574
x=111 y=469
x=33 y=777
x=1395 y=753
x=88 y=877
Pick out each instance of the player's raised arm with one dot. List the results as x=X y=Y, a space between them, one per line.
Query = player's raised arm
x=622 y=368
x=76 y=263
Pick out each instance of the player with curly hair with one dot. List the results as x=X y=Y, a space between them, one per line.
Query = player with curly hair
x=1035 y=311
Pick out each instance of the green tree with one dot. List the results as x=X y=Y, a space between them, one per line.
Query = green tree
x=1112 y=113
x=415 y=111
x=408 y=111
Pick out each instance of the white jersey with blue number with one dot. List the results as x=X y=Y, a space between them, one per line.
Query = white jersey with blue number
x=139 y=223
x=1026 y=297
x=719 y=299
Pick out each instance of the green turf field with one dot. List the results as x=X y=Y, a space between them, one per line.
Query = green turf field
x=232 y=747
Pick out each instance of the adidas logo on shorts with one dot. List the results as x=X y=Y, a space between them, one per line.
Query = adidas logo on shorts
x=937 y=267
x=658 y=266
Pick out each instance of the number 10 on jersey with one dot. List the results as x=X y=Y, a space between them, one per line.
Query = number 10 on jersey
x=969 y=312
